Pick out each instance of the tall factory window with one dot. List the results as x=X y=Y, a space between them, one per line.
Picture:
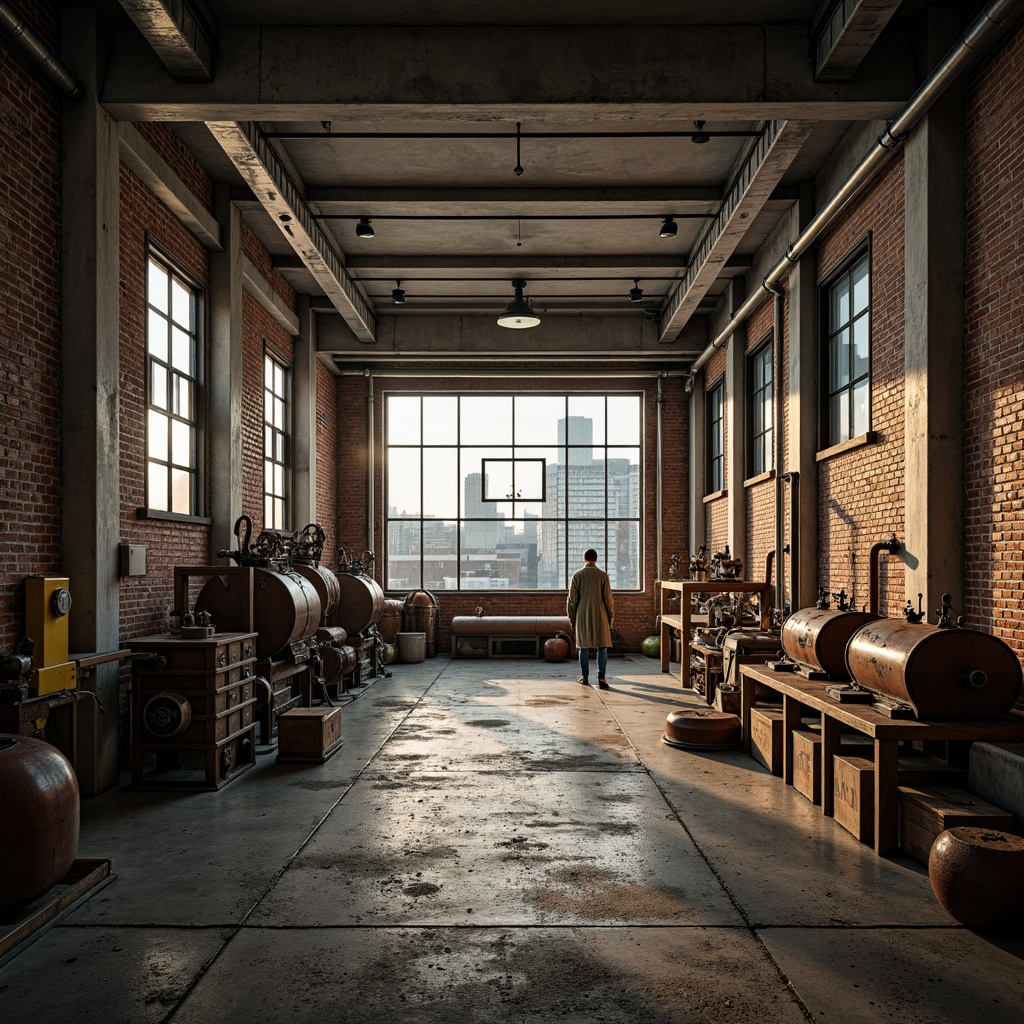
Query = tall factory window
x=847 y=319
x=173 y=344
x=276 y=419
x=761 y=455
x=715 y=439
x=503 y=491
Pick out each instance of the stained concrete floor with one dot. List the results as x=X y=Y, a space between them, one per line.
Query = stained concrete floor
x=495 y=843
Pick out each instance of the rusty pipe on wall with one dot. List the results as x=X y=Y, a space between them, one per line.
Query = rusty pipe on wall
x=892 y=545
x=38 y=53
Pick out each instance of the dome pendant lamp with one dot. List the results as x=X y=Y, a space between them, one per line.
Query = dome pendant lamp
x=518 y=313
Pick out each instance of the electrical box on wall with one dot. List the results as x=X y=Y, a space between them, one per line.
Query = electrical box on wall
x=132 y=559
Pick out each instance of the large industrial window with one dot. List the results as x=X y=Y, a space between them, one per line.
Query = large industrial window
x=276 y=381
x=506 y=492
x=847 y=316
x=173 y=345
x=761 y=454
x=716 y=439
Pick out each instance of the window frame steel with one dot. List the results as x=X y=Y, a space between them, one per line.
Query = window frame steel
x=762 y=397
x=714 y=468
x=277 y=437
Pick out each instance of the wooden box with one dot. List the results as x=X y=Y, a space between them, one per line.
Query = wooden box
x=853 y=795
x=766 y=738
x=308 y=735
x=807 y=764
x=927 y=811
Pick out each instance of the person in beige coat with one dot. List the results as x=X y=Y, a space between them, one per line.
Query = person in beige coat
x=591 y=608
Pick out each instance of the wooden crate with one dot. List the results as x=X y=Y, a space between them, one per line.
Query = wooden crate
x=807 y=764
x=853 y=795
x=766 y=738
x=308 y=735
x=929 y=810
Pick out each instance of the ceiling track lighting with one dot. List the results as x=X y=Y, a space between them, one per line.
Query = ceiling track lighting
x=636 y=293
x=668 y=228
x=364 y=229
x=699 y=137
x=518 y=313
x=397 y=294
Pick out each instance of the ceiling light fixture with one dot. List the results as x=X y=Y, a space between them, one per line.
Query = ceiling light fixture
x=636 y=293
x=699 y=137
x=518 y=313
x=397 y=294
x=364 y=229
x=668 y=228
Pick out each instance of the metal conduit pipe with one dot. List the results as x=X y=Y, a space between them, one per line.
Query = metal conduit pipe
x=370 y=462
x=781 y=561
x=520 y=374
x=657 y=482
x=972 y=44
x=892 y=545
x=38 y=53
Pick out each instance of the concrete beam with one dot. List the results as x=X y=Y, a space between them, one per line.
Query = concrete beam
x=259 y=288
x=158 y=176
x=844 y=38
x=539 y=75
x=265 y=175
x=753 y=187
x=488 y=262
x=182 y=34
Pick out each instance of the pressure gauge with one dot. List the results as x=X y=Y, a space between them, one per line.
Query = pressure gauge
x=60 y=602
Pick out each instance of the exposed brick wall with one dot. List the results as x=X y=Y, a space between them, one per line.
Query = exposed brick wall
x=861 y=492
x=716 y=513
x=327 y=460
x=181 y=161
x=30 y=499
x=636 y=614
x=994 y=364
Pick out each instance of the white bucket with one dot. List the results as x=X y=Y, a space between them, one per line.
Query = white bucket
x=412 y=647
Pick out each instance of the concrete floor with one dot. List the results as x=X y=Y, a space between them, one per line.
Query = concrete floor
x=495 y=843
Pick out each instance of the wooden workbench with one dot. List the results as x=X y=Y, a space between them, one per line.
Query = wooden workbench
x=801 y=695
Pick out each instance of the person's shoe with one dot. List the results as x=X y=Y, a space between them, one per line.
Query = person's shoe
x=584 y=680
x=602 y=684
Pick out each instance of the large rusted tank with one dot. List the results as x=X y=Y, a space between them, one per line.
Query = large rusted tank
x=420 y=614
x=817 y=638
x=940 y=673
x=390 y=623
x=326 y=585
x=360 y=604
x=285 y=607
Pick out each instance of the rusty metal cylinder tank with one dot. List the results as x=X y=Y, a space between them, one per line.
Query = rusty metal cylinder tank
x=325 y=583
x=285 y=607
x=39 y=811
x=940 y=673
x=420 y=615
x=390 y=624
x=360 y=604
x=817 y=638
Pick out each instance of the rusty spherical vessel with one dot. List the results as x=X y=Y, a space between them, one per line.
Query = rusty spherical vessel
x=556 y=649
x=39 y=811
x=977 y=875
x=702 y=729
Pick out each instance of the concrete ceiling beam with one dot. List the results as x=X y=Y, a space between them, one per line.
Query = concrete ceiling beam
x=182 y=33
x=696 y=199
x=539 y=75
x=843 y=39
x=265 y=175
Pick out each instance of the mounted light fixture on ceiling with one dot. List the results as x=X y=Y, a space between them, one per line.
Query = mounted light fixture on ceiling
x=364 y=229
x=636 y=293
x=518 y=313
x=668 y=228
x=397 y=294
x=699 y=137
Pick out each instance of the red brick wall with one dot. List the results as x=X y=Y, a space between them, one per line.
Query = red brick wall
x=327 y=460
x=30 y=508
x=636 y=614
x=716 y=513
x=994 y=370
x=861 y=492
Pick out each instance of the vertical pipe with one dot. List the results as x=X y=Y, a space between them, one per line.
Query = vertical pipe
x=781 y=561
x=370 y=460
x=658 y=493
x=793 y=479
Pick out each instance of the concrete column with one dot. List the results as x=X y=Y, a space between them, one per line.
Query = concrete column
x=90 y=465
x=736 y=430
x=698 y=460
x=304 y=418
x=934 y=234
x=804 y=403
x=225 y=384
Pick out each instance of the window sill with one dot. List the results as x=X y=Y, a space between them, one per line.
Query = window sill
x=708 y=498
x=871 y=437
x=172 y=517
x=761 y=478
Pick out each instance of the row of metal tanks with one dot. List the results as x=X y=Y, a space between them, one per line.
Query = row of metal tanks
x=943 y=671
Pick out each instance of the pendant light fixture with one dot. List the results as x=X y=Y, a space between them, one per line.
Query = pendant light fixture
x=364 y=229
x=668 y=228
x=518 y=313
x=398 y=294
x=636 y=293
x=699 y=137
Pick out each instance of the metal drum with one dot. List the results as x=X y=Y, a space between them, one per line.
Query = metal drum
x=360 y=604
x=420 y=616
x=940 y=673
x=817 y=638
x=326 y=585
x=285 y=607
x=390 y=624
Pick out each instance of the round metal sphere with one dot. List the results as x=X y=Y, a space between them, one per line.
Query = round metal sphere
x=556 y=649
